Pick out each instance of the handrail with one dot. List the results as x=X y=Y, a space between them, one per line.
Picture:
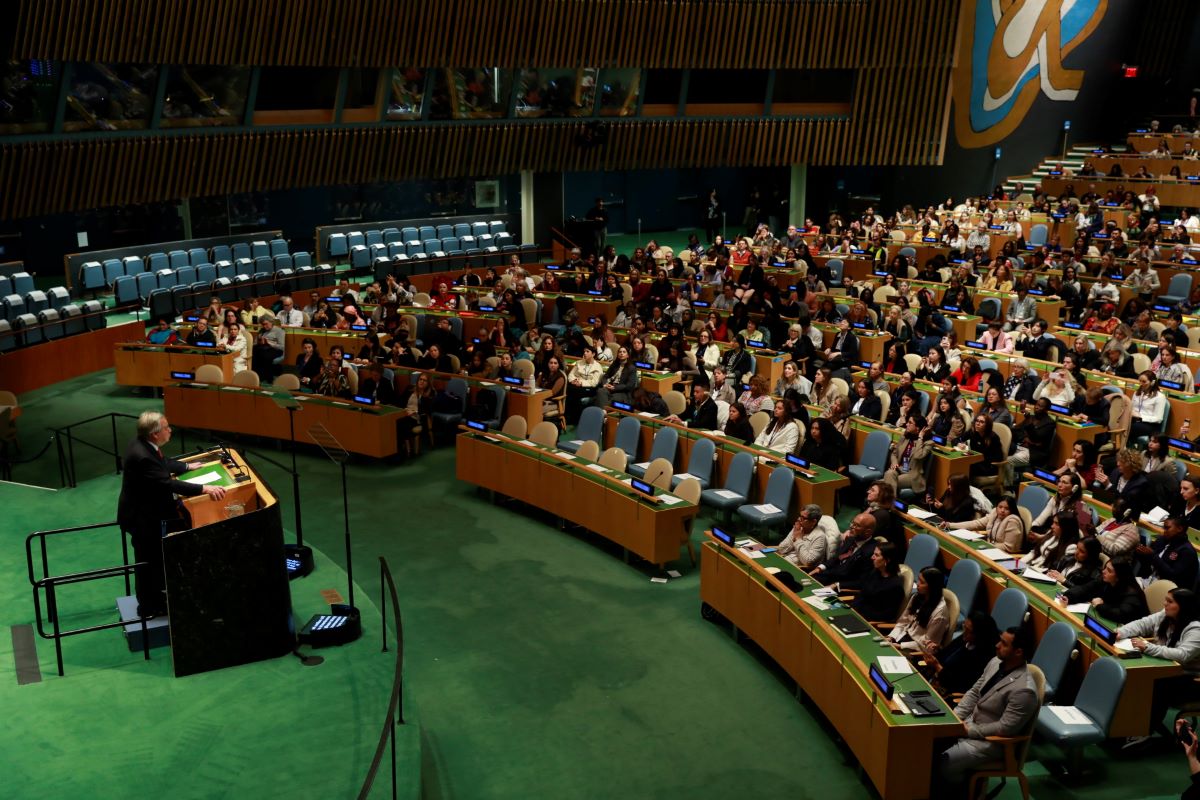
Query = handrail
x=50 y=583
x=66 y=457
x=395 y=712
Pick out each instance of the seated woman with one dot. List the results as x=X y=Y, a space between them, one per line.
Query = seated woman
x=824 y=446
x=756 y=397
x=1119 y=534
x=737 y=427
x=995 y=408
x=1116 y=595
x=1082 y=462
x=1068 y=497
x=923 y=623
x=945 y=421
x=1083 y=566
x=334 y=380
x=781 y=434
x=881 y=590
x=618 y=382
x=434 y=359
x=982 y=439
x=933 y=366
x=1004 y=526
x=1172 y=633
x=553 y=380
x=968 y=374
x=1055 y=549
x=956 y=503
x=957 y=668
x=418 y=400
x=865 y=403
x=308 y=364
x=838 y=415
x=792 y=379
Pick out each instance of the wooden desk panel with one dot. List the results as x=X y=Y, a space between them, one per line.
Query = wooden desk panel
x=152 y=365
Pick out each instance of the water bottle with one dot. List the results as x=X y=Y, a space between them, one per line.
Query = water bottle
x=530 y=386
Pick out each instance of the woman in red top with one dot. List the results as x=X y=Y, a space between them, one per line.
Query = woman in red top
x=443 y=298
x=968 y=374
x=716 y=326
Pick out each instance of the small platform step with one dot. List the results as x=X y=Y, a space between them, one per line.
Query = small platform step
x=158 y=629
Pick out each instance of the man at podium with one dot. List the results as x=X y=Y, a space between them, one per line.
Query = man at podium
x=147 y=500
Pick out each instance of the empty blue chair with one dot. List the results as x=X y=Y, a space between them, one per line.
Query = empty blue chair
x=58 y=296
x=503 y=240
x=182 y=299
x=240 y=250
x=146 y=283
x=225 y=269
x=355 y=239
x=279 y=247
x=161 y=303
x=461 y=229
x=964 y=582
x=336 y=245
x=260 y=249
x=700 y=464
x=91 y=278
x=496 y=226
x=93 y=315
x=113 y=269
x=177 y=259
x=665 y=443
x=408 y=234
x=529 y=253
x=397 y=249
x=197 y=256
x=125 y=290
x=1010 y=608
x=501 y=395
x=206 y=273
x=8 y=337
x=427 y=232
x=391 y=235
x=306 y=279
x=737 y=486
x=260 y=284
x=27 y=329
x=467 y=242
x=13 y=306
x=283 y=280
x=50 y=322
x=1037 y=235
x=243 y=287
x=457 y=388
x=283 y=262
x=264 y=264
x=413 y=248
x=301 y=259
x=484 y=240
x=377 y=251
x=243 y=266
x=166 y=278
x=449 y=243
x=430 y=245
x=157 y=261
x=325 y=275
x=629 y=434
x=778 y=497
x=1097 y=699
x=72 y=319
x=360 y=258
x=1054 y=652
x=36 y=301
x=6 y=287
x=835 y=265
x=478 y=228
x=223 y=288
x=874 y=458
x=1033 y=498
x=589 y=429
x=922 y=552
x=444 y=231
x=182 y=275
x=908 y=252
x=222 y=253
x=1177 y=290
x=374 y=237
x=133 y=265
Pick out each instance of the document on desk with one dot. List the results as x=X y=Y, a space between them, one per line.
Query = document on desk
x=1070 y=715
x=966 y=536
x=920 y=513
x=564 y=454
x=527 y=443
x=755 y=554
x=1155 y=516
x=596 y=467
x=683 y=476
x=577 y=442
x=647 y=414
x=205 y=478
x=670 y=499
x=998 y=555
x=1079 y=608
x=768 y=508
x=816 y=602
x=1031 y=574
x=895 y=665
x=727 y=494
x=1124 y=645
x=644 y=465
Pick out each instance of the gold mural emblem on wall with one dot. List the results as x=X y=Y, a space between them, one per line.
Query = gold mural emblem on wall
x=1008 y=51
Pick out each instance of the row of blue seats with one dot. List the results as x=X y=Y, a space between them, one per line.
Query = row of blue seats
x=51 y=323
x=178 y=299
x=340 y=244
x=433 y=248
x=129 y=288
x=453 y=261
x=18 y=283
x=14 y=305
x=95 y=275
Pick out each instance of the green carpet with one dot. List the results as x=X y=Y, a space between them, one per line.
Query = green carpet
x=541 y=663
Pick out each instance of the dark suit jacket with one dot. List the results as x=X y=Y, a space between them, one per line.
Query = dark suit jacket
x=852 y=568
x=847 y=347
x=148 y=489
x=384 y=393
x=702 y=418
x=872 y=407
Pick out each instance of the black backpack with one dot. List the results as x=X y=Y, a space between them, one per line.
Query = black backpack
x=484 y=407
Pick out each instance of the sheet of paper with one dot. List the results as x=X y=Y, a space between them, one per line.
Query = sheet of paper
x=996 y=554
x=577 y=442
x=1124 y=645
x=727 y=494
x=920 y=513
x=670 y=499
x=628 y=482
x=1079 y=608
x=683 y=476
x=234 y=388
x=643 y=465
x=716 y=433
x=205 y=478
x=816 y=603
x=1031 y=574
x=966 y=536
x=1155 y=516
x=647 y=414
x=567 y=456
x=527 y=443
x=895 y=665
x=755 y=554
x=852 y=635
x=1070 y=715
x=824 y=591
x=768 y=508
x=595 y=467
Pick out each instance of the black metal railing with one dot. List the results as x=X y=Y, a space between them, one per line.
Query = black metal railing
x=65 y=438
x=395 y=712
x=50 y=583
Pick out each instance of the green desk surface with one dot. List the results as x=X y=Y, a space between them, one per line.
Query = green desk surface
x=303 y=397
x=579 y=466
x=225 y=478
x=865 y=647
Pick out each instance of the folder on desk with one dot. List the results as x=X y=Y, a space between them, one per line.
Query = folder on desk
x=849 y=625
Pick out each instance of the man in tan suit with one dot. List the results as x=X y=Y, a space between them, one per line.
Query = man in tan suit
x=1003 y=702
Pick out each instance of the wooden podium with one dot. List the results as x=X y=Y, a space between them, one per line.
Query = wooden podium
x=226 y=577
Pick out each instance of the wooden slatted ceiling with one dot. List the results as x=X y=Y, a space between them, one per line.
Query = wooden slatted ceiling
x=643 y=33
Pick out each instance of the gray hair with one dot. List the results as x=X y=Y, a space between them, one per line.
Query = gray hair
x=812 y=511
x=149 y=423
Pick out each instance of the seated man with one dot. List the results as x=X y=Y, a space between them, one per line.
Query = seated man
x=852 y=559
x=289 y=315
x=1003 y=702
x=1170 y=556
x=582 y=381
x=813 y=537
x=201 y=334
x=268 y=350
x=372 y=384
x=1040 y=345
x=701 y=414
